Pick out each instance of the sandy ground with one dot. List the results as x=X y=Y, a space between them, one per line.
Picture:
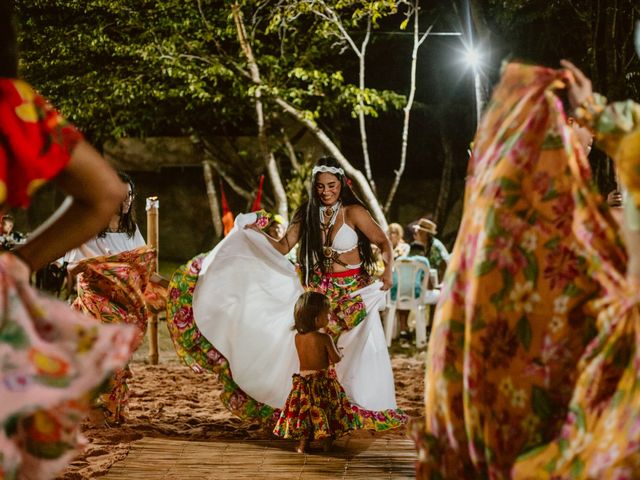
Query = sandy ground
x=169 y=400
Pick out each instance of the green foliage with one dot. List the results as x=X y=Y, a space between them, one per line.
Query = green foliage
x=297 y=185
x=169 y=67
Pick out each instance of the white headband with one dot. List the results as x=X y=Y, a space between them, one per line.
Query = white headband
x=326 y=169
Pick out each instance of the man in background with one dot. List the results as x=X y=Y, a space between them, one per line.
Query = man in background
x=427 y=245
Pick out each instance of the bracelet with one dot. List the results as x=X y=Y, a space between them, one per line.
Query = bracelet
x=17 y=254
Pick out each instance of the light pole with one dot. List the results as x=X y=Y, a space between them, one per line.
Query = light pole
x=474 y=60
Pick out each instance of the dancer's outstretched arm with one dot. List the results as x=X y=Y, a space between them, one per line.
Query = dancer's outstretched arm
x=287 y=242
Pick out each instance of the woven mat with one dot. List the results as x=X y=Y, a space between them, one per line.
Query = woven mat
x=161 y=458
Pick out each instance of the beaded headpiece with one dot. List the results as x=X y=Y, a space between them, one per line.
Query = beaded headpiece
x=327 y=169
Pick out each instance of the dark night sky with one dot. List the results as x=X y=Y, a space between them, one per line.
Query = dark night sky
x=444 y=99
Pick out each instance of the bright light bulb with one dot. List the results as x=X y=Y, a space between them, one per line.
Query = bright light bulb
x=472 y=57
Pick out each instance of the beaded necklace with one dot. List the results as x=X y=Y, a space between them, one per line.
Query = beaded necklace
x=330 y=211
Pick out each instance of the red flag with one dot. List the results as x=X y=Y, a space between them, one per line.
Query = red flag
x=256 y=203
x=227 y=216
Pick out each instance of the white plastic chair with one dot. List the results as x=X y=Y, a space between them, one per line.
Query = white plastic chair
x=407 y=271
x=430 y=296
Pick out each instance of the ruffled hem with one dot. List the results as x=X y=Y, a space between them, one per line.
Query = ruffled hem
x=199 y=354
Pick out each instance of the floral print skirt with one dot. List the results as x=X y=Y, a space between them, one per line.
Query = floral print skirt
x=318 y=408
x=53 y=361
x=117 y=290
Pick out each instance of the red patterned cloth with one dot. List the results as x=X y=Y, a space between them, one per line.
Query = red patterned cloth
x=35 y=142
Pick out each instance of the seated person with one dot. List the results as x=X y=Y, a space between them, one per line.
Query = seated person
x=10 y=238
x=426 y=244
x=396 y=235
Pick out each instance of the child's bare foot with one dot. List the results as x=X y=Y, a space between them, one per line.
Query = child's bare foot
x=302 y=446
x=327 y=444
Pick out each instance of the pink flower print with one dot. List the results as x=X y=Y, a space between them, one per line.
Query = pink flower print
x=506 y=255
x=562 y=267
x=237 y=401
x=183 y=317
x=262 y=222
x=515 y=226
x=17 y=382
x=499 y=344
x=174 y=294
x=215 y=356
x=197 y=368
x=196 y=266
x=541 y=183
x=563 y=207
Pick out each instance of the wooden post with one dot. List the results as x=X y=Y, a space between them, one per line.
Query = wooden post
x=153 y=205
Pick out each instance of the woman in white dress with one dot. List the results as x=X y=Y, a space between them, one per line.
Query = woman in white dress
x=117 y=283
x=232 y=310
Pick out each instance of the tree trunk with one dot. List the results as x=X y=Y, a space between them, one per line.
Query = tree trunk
x=407 y=108
x=445 y=180
x=212 y=195
x=361 y=117
x=267 y=153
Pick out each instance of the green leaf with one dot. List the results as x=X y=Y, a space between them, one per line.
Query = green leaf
x=485 y=267
x=541 y=402
x=491 y=224
x=523 y=332
x=531 y=270
x=456 y=326
x=531 y=453
x=450 y=373
x=507 y=184
x=552 y=243
x=581 y=421
x=13 y=334
x=571 y=290
x=577 y=466
x=552 y=142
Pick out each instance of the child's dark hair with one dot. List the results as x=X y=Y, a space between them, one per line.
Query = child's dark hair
x=307 y=309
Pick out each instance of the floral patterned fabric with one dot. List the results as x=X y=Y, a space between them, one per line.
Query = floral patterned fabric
x=199 y=354
x=52 y=359
x=117 y=290
x=514 y=316
x=36 y=142
x=348 y=312
x=318 y=408
x=600 y=437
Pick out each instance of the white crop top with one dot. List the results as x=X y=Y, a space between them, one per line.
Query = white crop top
x=346 y=239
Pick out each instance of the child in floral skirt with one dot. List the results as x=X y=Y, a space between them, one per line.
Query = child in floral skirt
x=317 y=407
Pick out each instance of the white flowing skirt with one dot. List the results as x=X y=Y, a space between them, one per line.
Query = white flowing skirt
x=243 y=304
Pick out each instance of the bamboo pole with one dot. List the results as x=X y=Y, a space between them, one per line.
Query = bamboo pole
x=152 y=207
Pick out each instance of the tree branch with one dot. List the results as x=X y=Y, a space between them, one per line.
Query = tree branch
x=267 y=153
